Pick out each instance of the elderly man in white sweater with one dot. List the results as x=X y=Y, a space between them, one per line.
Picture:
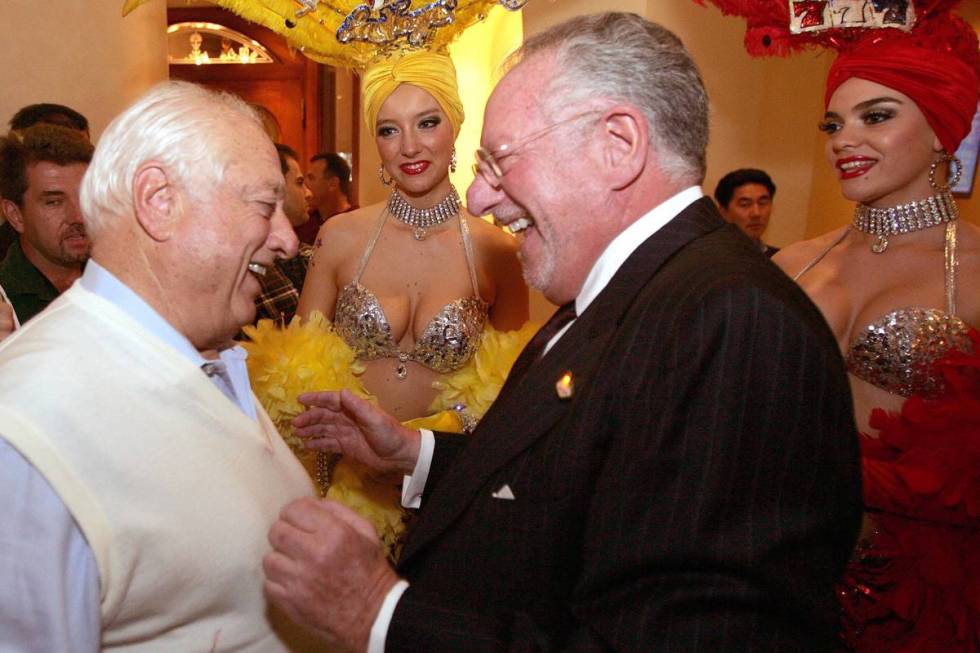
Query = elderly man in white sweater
x=139 y=475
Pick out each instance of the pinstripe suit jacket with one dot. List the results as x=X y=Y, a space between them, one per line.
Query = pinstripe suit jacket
x=700 y=491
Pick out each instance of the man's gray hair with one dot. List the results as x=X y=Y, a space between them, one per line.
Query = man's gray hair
x=625 y=58
x=180 y=125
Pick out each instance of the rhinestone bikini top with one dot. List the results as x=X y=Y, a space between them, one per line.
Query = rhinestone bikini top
x=450 y=338
x=896 y=352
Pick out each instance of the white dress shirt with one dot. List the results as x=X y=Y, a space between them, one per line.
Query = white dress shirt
x=605 y=267
x=50 y=581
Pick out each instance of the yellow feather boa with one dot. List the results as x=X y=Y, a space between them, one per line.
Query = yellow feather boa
x=309 y=355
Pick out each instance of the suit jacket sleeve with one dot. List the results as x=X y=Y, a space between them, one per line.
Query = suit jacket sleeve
x=726 y=500
x=447 y=446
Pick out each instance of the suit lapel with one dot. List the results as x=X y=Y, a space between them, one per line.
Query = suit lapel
x=527 y=408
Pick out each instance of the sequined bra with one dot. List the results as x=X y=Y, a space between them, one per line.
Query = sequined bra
x=896 y=352
x=450 y=338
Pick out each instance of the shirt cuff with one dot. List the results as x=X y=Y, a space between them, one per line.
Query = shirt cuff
x=379 y=631
x=414 y=485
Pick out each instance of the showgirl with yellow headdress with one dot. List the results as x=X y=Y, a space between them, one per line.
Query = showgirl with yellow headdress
x=411 y=302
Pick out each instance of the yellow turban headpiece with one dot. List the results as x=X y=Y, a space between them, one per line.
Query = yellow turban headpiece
x=430 y=71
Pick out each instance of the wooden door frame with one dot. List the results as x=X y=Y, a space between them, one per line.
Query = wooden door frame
x=291 y=64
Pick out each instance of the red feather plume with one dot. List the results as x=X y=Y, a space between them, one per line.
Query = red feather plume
x=767 y=28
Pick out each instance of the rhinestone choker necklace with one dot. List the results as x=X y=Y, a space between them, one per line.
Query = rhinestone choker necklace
x=422 y=219
x=904 y=218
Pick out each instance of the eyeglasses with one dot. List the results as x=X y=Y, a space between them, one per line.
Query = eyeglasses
x=488 y=161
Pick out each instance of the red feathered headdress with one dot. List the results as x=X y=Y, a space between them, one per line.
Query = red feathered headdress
x=918 y=47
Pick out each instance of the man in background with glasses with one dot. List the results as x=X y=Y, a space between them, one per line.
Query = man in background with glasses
x=672 y=464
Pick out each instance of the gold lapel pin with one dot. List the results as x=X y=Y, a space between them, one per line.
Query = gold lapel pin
x=564 y=386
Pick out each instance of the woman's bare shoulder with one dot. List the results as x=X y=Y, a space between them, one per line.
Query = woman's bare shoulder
x=793 y=258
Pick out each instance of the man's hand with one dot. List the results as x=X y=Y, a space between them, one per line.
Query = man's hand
x=344 y=423
x=6 y=319
x=327 y=571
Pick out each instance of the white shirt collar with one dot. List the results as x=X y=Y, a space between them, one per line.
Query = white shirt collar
x=623 y=245
x=96 y=279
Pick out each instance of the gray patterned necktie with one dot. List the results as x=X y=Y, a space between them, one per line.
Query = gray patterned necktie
x=218 y=373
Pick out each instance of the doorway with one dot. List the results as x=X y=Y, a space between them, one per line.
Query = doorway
x=215 y=48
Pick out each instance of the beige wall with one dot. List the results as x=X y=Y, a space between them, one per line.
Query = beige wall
x=970 y=207
x=82 y=54
x=541 y=14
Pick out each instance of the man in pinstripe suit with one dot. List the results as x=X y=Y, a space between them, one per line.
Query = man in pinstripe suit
x=676 y=469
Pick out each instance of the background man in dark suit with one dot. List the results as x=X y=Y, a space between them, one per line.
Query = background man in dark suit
x=677 y=472
x=329 y=180
x=744 y=198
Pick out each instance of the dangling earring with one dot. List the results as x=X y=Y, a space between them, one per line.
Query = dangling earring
x=452 y=162
x=953 y=178
x=381 y=175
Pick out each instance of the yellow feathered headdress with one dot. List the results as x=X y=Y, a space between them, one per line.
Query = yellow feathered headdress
x=354 y=34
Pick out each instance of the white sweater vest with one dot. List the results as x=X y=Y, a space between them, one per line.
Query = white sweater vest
x=172 y=485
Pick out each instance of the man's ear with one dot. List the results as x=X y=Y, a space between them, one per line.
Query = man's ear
x=11 y=212
x=626 y=144
x=156 y=201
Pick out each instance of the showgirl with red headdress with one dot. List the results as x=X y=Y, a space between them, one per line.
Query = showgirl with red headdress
x=898 y=287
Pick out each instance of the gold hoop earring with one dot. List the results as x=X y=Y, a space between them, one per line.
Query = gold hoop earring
x=452 y=161
x=381 y=175
x=952 y=178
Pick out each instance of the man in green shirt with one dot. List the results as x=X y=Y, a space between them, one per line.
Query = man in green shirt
x=41 y=170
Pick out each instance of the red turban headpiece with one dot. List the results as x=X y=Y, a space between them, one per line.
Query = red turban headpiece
x=926 y=66
x=936 y=62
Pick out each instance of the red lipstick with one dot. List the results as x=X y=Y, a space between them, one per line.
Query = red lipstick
x=854 y=166
x=414 y=167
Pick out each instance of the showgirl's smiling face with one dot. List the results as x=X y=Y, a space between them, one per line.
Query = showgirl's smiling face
x=415 y=141
x=879 y=143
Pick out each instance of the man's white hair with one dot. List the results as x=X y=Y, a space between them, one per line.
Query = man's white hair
x=623 y=57
x=181 y=126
